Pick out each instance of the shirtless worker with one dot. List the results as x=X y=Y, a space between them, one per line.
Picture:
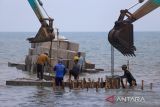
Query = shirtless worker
x=128 y=76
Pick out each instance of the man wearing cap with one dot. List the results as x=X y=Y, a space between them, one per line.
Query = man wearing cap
x=128 y=76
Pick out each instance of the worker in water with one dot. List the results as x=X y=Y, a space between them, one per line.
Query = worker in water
x=75 y=70
x=77 y=66
x=41 y=61
x=81 y=61
x=77 y=56
x=60 y=71
x=128 y=76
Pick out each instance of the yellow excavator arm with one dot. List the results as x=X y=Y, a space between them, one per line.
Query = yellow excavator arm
x=121 y=35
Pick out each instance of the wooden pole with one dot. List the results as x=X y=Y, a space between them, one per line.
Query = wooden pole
x=102 y=83
x=142 y=87
x=87 y=85
x=92 y=84
x=97 y=84
x=106 y=86
x=84 y=82
x=70 y=85
x=151 y=85
x=113 y=84
x=89 y=82
x=133 y=84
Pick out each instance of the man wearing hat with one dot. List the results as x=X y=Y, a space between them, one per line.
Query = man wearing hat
x=128 y=76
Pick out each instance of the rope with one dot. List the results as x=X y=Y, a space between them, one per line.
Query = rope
x=140 y=1
x=41 y=4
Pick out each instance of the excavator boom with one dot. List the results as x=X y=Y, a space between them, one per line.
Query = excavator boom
x=121 y=35
x=45 y=32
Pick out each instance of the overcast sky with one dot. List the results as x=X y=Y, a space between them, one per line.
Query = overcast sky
x=72 y=15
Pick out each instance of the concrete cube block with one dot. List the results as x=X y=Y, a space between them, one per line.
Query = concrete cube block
x=30 y=51
x=73 y=46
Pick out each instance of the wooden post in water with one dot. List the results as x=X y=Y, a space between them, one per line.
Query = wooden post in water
x=102 y=83
x=89 y=83
x=70 y=85
x=106 y=86
x=133 y=84
x=81 y=84
x=117 y=85
x=73 y=86
x=97 y=84
x=84 y=82
x=151 y=85
x=142 y=87
x=113 y=83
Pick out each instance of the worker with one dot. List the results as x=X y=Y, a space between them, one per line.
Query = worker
x=76 y=57
x=81 y=61
x=60 y=71
x=74 y=71
x=128 y=76
x=42 y=59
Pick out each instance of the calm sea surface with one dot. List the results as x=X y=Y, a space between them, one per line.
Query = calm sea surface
x=145 y=66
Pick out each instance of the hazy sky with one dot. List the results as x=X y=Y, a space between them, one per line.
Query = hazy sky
x=72 y=15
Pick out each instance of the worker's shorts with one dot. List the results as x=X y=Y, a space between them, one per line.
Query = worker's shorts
x=58 y=81
x=74 y=73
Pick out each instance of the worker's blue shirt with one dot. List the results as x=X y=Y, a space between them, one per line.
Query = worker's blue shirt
x=60 y=70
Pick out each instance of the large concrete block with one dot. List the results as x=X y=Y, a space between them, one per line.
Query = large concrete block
x=89 y=65
x=34 y=59
x=64 y=45
x=53 y=62
x=40 y=50
x=73 y=46
x=71 y=54
x=33 y=45
x=62 y=53
x=59 y=53
x=30 y=51
x=56 y=44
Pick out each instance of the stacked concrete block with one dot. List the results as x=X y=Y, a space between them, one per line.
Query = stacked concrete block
x=73 y=46
x=65 y=50
x=67 y=45
x=30 y=51
x=89 y=65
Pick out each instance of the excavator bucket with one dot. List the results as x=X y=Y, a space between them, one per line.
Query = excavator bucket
x=42 y=36
x=121 y=37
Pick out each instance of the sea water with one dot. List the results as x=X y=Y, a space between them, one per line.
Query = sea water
x=145 y=66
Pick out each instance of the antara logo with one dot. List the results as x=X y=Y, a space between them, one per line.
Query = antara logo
x=114 y=99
